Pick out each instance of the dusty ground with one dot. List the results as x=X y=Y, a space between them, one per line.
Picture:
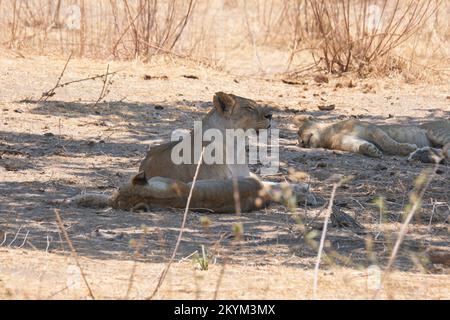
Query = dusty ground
x=56 y=149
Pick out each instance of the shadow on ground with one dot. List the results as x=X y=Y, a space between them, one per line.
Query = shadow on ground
x=272 y=236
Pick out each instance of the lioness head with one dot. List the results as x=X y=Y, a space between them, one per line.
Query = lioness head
x=241 y=113
x=306 y=131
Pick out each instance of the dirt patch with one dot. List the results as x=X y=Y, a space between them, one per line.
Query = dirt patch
x=58 y=148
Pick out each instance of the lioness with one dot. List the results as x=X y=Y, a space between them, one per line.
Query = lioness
x=374 y=140
x=161 y=183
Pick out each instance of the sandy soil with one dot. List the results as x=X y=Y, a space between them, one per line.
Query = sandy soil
x=51 y=150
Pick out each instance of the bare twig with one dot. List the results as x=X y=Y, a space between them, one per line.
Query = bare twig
x=410 y=215
x=88 y=78
x=188 y=256
x=24 y=239
x=134 y=267
x=166 y=269
x=219 y=280
x=416 y=205
x=104 y=91
x=48 y=243
x=322 y=239
x=15 y=236
x=74 y=252
x=178 y=55
x=237 y=204
x=4 y=239
x=51 y=92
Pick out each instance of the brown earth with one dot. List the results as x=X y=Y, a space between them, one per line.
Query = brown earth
x=51 y=150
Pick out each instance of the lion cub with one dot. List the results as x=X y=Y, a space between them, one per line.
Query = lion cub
x=162 y=183
x=374 y=140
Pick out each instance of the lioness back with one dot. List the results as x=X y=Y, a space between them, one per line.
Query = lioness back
x=165 y=181
x=229 y=112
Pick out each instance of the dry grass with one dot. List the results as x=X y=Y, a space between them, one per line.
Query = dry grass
x=246 y=37
x=56 y=148
x=30 y=280
x=88 y=132
x=355 y=34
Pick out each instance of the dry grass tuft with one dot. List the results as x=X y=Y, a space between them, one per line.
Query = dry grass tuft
x=245 y=37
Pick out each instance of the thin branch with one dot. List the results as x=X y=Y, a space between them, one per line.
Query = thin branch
x=105 y=83
x=237 y=205
x=322 y=239
x=74 y=252
x=51 y=92
x=403 y=230
x=24 y=239
x=15 y=237
x=166 y=269
x=4 y=238
x=134 y=267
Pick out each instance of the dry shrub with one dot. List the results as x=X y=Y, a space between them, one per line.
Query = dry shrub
x=155 y=26
x=249 y=36
x=355 y=34
x=121 y=28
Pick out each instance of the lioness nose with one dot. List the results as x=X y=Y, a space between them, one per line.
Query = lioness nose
x=268 y=116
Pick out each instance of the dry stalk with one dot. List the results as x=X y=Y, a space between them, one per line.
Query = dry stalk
x=322 y=239
x=15 y=236
x=73 y=251
x=130 y=24
x=166 y=269
x=237 y=204
x=348 y=42
x=51 y=92
x=178 y=55
x=104 y=91
x=416 y=205
x=134 y=267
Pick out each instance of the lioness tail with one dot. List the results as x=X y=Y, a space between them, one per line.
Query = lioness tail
x=91 y=200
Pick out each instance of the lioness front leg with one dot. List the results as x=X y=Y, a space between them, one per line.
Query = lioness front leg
x=389 y=145
x=358 y=145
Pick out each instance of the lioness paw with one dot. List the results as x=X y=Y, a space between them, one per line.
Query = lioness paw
x=405 y=149
x=370 y=150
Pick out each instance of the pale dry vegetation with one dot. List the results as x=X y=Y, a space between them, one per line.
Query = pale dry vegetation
x=86 y=85
x=246 y=37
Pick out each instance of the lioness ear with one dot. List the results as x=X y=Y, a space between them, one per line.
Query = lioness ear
x=139 y=178
x=224 y=103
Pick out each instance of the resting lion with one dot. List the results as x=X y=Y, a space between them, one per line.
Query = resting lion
x=374 y=140
x=161 y=183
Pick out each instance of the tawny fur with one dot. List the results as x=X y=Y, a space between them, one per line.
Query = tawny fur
x=161 y=183
x=374 y=140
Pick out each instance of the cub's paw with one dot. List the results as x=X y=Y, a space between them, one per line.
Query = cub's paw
x=370 y=150
x=405 y=149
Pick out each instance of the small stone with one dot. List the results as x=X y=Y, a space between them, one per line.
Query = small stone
x=327 y=107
